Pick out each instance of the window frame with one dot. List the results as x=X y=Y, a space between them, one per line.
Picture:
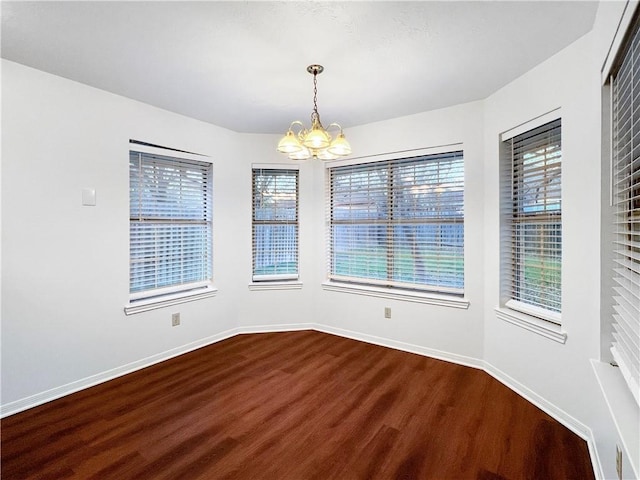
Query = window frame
x=152 y=298
x=276 y=280
x=415 y=292
x=536 y=318
x=624 y=188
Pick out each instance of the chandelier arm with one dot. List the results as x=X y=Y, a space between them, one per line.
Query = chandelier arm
x=334 y=125
x=302 y=130
x=296 y=122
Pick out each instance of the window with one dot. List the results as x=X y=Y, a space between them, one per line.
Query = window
x=399 y=223
x=275 y=224
x=170 y=223
x=532 y=215
x=625 y=86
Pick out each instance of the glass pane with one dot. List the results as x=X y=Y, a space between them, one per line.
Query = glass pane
x=400 y=221
x=275 y=196
x=538 y=262
x=275 y=249
x=360 y=194
x=164 y=255
x=275 y=222
x=430 y=254
x=360 y=251
x=170 y=221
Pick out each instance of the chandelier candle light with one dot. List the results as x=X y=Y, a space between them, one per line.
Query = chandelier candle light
x=315 y=142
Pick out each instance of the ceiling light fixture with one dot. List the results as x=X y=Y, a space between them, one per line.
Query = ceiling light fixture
x=315 y=142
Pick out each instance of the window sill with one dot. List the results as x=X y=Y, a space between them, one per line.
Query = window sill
x=144 y=305
x=393 y=294
x=258 y=286
x=533 y=324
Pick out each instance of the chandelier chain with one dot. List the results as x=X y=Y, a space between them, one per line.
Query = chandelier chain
x=315 y=113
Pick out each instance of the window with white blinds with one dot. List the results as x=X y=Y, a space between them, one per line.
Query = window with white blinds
x=275 y=224
x=399 y=223
x=532 y=212
x=170 y=224
x=625 y=86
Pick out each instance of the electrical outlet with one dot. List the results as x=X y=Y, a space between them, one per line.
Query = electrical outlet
x=387 y=312
x=619 y=461
x=175 y=319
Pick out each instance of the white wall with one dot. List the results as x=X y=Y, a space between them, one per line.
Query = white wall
x=445 y=331
x=559 y=376
x=65 y=266
x=65 y=269
x=285 y=308
x=559 y=373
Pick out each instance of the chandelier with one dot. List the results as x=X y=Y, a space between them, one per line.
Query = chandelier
x=315 y=142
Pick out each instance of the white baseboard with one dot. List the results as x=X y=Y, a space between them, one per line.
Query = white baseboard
x=552 y=410
x=560 y=415
x=405 y=347
x=563 y=417
x=69 y=388
x=595 y=459
x=284 y=327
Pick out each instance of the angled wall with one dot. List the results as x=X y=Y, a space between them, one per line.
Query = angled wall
x=64 y=266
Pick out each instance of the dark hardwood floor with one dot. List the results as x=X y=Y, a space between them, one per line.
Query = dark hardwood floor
x=294 y=405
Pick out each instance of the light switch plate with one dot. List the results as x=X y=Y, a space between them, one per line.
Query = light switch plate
x=89 y=197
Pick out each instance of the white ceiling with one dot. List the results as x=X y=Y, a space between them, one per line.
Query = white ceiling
x=242 y=65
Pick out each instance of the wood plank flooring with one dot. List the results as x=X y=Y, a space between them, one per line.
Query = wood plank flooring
x=294 y=405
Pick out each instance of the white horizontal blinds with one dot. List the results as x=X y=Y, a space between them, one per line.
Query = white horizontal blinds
x=170 y=224
x=536 y=219
x=399 y=223
x=626 y=202
x=275 y=224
